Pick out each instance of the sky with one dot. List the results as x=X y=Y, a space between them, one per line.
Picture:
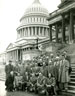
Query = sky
x=10 y=13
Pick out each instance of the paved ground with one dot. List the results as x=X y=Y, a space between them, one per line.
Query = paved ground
x=3 y=92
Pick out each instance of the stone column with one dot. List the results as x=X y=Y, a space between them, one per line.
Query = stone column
x=14 y=55
x=21 y=32
x=24 y=31
x=17 y=54
x=43 y=31
x=71 y=32
x=36 y=31
x=28 y=32
x=63 y=29
x=32 y=33
x=57 y=31
x=39 y=31
x=50 y=32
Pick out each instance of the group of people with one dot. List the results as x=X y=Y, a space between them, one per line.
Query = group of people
x=43 y=75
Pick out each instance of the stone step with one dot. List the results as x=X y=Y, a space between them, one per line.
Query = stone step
x=72 y=75
x=71 y=86
x=73 y=67
x=71 y=91
x=73 y=72
x=72 y=83
x=72 y=79
x=68 y=93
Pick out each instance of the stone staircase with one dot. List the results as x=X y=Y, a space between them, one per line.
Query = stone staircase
x=72 y=80
x=71 y=86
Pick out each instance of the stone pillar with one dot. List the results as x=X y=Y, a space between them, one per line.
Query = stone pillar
x=14 y=55
x=50 y=32
x=57 y=31
x=36 y=31
x=24 y=31
x=71 y=32
x=28 y=31
x=21 y=32
x=32 y=31
x=63 y=29
x=39 y=31
x=43 y=31
x=17 y=54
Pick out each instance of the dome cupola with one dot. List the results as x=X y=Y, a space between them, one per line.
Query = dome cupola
x=35 y=9
x=34 y=22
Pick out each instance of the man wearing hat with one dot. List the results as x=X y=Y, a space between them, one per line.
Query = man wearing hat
x=8 y=69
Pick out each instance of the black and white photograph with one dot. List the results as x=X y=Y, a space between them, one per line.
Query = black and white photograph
x=37 y=47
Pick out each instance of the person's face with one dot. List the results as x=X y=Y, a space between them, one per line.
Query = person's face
x=49 y=75
x=44 y=64
x=63 y=57
x=40 y=74
x=10 y=62
x=16 y=63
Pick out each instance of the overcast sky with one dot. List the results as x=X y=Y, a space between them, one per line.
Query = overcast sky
x=10 y=13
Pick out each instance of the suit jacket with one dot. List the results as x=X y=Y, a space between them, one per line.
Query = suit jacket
x=8 y=69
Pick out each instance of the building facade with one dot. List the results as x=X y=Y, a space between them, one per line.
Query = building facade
x=39 y=28
x=33 y=28
x=63 y=21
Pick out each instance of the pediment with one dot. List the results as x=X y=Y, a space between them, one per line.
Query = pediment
x=9 y=46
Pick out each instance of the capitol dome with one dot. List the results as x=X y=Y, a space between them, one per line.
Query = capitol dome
x=34 y=22
x=36 y=9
